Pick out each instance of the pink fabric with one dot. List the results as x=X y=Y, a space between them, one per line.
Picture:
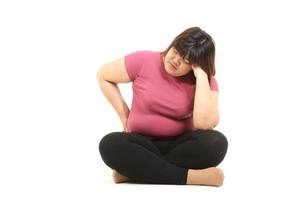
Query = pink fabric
x=162 y=105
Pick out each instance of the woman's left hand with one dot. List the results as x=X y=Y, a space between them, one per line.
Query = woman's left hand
x=198 y=71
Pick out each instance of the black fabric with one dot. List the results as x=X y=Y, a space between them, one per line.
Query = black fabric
x=162 y=160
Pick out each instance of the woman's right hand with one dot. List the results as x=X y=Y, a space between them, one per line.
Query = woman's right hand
x=124 y=124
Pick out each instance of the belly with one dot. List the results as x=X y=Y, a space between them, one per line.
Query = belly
x=156 y=125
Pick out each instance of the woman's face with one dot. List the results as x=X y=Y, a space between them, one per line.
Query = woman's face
x=175 y=65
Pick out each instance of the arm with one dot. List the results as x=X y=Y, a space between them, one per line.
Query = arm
x=206 y=112
x=108 y=76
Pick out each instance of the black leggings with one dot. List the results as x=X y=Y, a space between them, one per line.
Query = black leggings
x=162 y=160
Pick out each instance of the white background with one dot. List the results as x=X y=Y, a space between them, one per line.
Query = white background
x=53 y=115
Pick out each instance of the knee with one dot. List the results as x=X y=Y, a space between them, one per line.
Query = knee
x=220 y=143
x=213 y=137
x=220 y=138
x=108 y=145
x=216 y=142
x=109 y=141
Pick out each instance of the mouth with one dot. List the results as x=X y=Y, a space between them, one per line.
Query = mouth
x=172 y=65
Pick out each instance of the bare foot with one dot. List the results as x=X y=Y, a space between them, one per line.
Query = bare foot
x=210 y=176
x=119 y=178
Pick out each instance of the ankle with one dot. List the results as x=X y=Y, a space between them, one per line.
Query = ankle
x=210 y=176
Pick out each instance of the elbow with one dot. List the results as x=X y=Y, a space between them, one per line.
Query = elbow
x=99 y=74
x=206 y=124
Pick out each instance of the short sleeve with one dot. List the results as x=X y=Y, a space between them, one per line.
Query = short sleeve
x=214 y=84
x=134 y=63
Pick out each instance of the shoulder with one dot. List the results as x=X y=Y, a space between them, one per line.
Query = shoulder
x=144 y=54
x=136 y=61
x=214 y=84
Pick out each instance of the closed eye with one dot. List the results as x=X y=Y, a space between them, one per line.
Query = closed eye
x=186 y=61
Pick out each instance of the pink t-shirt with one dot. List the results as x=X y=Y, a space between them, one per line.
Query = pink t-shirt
x=162 y=104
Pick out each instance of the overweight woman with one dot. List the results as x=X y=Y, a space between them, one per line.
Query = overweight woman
x=168 y=135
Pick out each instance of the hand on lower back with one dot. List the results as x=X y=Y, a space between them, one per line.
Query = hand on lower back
x=124 y=124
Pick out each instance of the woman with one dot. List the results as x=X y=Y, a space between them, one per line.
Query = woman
x=168 y=135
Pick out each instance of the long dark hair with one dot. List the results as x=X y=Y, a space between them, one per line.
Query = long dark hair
x=197 y=47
